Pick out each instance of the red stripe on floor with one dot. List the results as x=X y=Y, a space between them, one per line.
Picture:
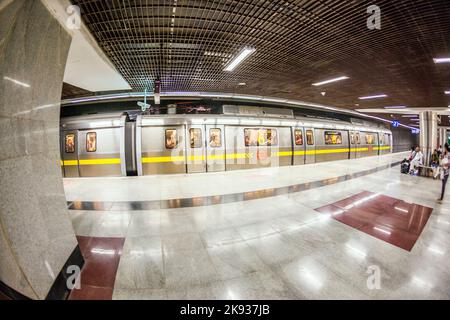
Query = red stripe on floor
x=389 y=219
x=102 y=257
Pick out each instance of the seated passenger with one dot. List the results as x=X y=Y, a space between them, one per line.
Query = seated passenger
x=416 y=161
x=440 y=150
x=434 y=163
x=412 y=154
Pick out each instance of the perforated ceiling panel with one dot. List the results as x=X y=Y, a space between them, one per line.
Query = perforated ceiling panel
x=187 y=44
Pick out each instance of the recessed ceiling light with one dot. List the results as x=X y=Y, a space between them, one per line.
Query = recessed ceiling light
x=244 y=54
x=242 y=84
x=330 y=81
x=373 y=97
x=323 y=93
x=441 y=60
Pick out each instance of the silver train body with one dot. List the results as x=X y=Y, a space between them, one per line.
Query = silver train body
x=111 y=145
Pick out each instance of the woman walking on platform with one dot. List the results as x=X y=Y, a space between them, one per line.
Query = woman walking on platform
x=445 y=170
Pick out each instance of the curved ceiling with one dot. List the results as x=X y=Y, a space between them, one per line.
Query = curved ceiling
x=187 y=44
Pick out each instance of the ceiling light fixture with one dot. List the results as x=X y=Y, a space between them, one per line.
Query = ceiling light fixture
x=410 y=116
x=395 y=107
x=441 y=60
x=373 y=97
x=330 y=81
x=244 y=54
x=447 y=92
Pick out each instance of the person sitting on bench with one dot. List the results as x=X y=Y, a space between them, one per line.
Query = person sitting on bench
x=416 y=161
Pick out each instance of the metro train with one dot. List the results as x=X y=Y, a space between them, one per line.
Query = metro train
x=113 y=145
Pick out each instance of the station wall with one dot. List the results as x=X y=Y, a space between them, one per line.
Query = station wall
x=404 y=140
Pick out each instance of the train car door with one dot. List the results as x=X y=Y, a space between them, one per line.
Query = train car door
x=195 y=148
x=369 y=144
x=385 y=143
x=161 y=149
x=70 y=154
x=310 y=149
x=358 y=153
x=331 y=145
x=99 y=152
x=298 y=138
x=355 y=145
x=389 y=141
x=215 y=148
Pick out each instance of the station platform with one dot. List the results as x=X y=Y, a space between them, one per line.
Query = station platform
x=350 y=229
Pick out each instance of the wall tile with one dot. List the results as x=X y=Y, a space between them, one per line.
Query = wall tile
x=37 y=234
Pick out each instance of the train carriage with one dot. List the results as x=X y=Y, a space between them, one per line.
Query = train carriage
x=111 y=145
x=94 y=146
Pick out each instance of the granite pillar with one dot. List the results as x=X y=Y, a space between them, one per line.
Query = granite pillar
x=428 y=134
x=36 y=235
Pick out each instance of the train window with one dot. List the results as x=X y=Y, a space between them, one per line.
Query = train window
x=333 y=137
x=370 y=139
x=298 y=137
x=358 y=138
x=260 y=137
x=215 y=138
x=91 y=142
x=171 y=139
x=381 y=139
x=310 y=137
x=70 y=143
x=352 y=138
x=196 y=138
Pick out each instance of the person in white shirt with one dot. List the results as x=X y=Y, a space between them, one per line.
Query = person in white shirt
x=416 y=161
x=445 y=171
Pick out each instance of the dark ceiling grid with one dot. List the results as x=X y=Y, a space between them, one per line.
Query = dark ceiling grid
x=298 y=42
x=235 y=42
x=196 y=60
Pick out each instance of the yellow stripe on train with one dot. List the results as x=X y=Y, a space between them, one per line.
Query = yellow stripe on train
x=167 y=159
x=163 y=159
x=196 y=158
x=68 y=163
x=89 y=162
x=383 y=148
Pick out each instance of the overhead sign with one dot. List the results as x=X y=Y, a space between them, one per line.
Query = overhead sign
x=395 y=123
x=415 y=131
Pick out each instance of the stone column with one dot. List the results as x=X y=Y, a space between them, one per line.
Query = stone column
x=428 y=134
x=36 y=235
x=442 y=136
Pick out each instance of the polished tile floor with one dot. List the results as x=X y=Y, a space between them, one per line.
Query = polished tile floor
x=277 y=247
